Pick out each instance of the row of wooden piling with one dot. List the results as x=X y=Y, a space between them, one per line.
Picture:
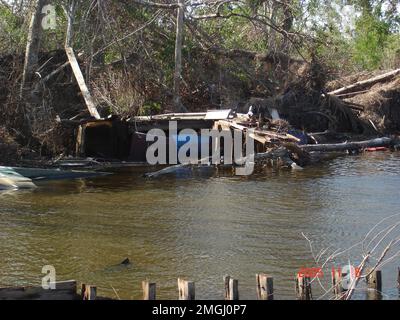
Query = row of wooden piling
x=186 y=289
x=264 y=287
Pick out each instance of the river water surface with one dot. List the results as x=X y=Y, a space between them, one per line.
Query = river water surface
x=200 y=227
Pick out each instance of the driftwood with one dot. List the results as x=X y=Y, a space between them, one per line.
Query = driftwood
x=360 y=84
x=356 y=145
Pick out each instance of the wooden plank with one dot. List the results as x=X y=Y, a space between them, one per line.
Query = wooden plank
x=149 y=290
x=81 y=82
x=66 y=290
x=257 y=133
x=262 y=140
x=265 y=287
x=186 y=290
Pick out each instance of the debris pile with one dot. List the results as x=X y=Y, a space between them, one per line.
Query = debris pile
x=63 y=118
x=381 y=106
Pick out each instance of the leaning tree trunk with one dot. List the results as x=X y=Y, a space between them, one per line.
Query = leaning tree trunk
x=287 y=25
x=271 y=34
x=70 y=13
x=33 y=44
x=178 y=56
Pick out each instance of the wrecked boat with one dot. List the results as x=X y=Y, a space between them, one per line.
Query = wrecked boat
x=25 y=178
x=11 y=180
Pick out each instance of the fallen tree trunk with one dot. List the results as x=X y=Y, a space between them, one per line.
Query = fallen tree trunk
x=356 y=145
x=361 y=84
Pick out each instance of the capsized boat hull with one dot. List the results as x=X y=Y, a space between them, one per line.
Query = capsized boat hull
x=9 y=182
x=22 y=178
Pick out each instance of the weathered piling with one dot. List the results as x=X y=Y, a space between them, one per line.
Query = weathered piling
x=303 y=287
x=149 y=290
x=67 y=290
x=186 y=289
x=265 y=287
x=231 y=288
x=88 y=292
x=337 y=284
x=374 y=279
x=398 y=277
x=374 y=284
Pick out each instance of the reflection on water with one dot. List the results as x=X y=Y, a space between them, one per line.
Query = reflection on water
x=200 y=228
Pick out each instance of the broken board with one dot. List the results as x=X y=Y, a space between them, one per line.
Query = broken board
x=81 y=82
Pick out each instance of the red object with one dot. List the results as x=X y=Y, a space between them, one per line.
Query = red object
x=376 y=149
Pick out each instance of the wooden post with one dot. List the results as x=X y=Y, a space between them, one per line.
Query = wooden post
x=337 y=283
x=80 y=141
x=374 y=280
x=186 y=289
x=231 y=288
x=303 y=288
x=398 y=277
x=265 y=287
x=88 y=292
x=149 y=290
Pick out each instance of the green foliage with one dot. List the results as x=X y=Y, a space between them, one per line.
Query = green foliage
x=391 y=53
x=335 y=54
x=12 y=35
x=111 y=56
x=150 y=108
x=371 y=37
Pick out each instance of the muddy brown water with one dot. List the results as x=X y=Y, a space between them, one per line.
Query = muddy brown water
x=200 y=226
